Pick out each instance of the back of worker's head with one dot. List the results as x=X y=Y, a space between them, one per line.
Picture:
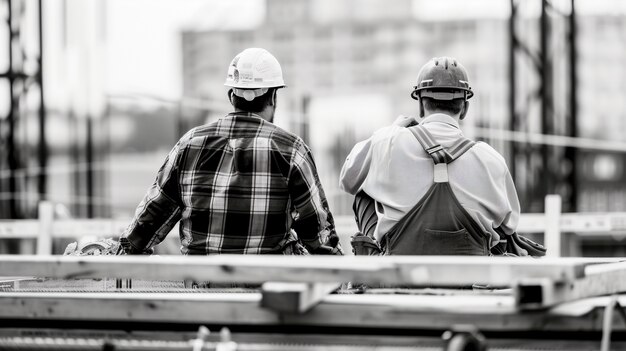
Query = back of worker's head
x=253 y=76
x=450 y=107
x=443 y=86
x=258 y=104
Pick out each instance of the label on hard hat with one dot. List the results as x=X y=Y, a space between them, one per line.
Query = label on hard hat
x=245 y=76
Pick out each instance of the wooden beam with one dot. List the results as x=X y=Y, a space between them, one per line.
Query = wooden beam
x=407 y=270
x=552 y=237
x=89 y=227
x=61 y=228
x=19 y=229
x=599 y=280
x=46 y=218
x=585 y=223
x=12 y=282
x=579 y=223
x=294 y=297
x=490 y=313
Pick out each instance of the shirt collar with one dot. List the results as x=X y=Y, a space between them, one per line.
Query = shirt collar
x=442 y=118
x=243 y=114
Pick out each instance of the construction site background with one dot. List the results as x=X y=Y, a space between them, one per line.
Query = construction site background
x=114 y=84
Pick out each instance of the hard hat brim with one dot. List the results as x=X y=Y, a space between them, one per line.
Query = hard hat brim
x=442 y=93
x=254 y=86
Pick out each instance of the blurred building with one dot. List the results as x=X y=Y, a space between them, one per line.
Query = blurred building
x=330 y=48
x=602 y=111
x=352 y=48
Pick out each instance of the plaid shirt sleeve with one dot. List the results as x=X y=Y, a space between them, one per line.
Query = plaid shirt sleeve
x=313 y=221
x=159 y=210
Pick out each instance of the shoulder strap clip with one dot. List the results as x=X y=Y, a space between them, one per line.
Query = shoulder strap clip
x=441 y=173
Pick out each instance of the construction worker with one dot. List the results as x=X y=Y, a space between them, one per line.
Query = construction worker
x=426 y=189
x=240 y=185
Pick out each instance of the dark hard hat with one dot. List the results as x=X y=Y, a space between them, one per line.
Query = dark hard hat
x=442 y=78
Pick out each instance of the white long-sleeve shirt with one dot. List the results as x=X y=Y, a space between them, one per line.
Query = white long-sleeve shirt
x=393 y=168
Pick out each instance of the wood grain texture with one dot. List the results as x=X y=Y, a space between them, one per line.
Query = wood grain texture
x=409 y=270
x=294 y=297
x=497 y=313
x=598 y=280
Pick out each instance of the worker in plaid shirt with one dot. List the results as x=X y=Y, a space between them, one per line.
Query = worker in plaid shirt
x=240 y=185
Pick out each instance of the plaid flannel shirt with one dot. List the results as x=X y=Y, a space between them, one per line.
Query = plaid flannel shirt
x=239 y=185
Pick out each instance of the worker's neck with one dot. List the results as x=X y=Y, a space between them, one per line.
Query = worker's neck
x=267 y=113
x=457 y=116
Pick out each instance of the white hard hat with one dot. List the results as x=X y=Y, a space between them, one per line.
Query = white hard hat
x=252 y=72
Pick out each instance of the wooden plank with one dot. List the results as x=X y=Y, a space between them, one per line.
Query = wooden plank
x=599 y=280
x=552 y=237
x=579 y=223
x=89 y=227
x=46 y=218
x=21 y=229
x=587 y=223
x=13 y=282
x=73 y=228
x=496 y=313
x=411 y=270
x=181 y=340
x=294 y=297
x=532 y=223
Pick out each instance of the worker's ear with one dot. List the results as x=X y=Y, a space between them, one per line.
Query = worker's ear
x=464 y=110
x=230 y=95
x=422 y=113
x=273 y=99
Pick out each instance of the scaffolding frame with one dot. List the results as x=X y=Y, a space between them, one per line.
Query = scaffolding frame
x=21 y=83
x=554 y=120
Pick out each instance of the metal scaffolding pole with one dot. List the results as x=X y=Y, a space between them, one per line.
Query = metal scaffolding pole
x=546 y=98
x=513 y=122
x=12 y=159
x=43 y=145
x=89 y=158
x=551 y=176
x=571 y=152
x=20 y=82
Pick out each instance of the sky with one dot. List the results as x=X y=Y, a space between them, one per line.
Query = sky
x=143 y=39
x=143 y=36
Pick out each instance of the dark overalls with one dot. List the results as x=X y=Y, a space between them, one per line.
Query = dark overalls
x=437 y=224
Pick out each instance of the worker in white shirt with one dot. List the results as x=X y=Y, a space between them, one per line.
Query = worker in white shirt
x=434 y=191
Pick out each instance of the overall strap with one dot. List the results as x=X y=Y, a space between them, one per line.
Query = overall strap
x=460 y=147
x=430 y=145
x=440 y=155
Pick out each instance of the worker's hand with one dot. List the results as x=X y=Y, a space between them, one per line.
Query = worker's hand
x=126 y=248
x=328 y=250
x=405 y=121
x=331 y=247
